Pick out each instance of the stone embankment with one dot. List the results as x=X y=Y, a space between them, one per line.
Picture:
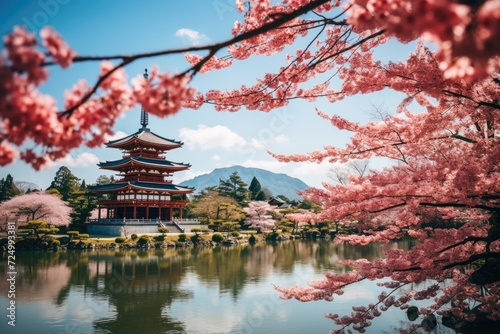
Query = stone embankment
x=65 y=243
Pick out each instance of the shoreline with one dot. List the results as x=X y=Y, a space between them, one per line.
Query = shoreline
x=27 y=245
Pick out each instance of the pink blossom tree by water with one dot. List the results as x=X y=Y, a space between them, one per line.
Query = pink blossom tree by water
x=443 y=135
x=258 y=217
x=37 y=206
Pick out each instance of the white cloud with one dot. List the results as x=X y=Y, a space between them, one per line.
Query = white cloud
x=282 y=139
x=116 y=135
x=82 y=160
x=255 y=143
x=192 y=36
x=216 y=157
x=207 y=138
x=270 y=165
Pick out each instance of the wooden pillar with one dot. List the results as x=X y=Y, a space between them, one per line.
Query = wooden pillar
x=159 y=213
x=180 y=213
x=147 y=211
x=135 y=212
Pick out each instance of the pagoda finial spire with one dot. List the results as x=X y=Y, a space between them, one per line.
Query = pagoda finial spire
x=144 y=114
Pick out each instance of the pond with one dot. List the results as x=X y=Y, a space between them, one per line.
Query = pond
x=198 y=290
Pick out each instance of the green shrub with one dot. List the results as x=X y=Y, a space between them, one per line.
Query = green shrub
x=183 y=237
x=274 y=236
x=206 y=230
x=285 y=229
x=217 y=237
x=134 y=236
x=143 y=239
x=324 y=230
x=55 y=243
x=235 y=234
x=39 y=223
x=120 y=240
x=73 y=234
x=195 y=239
x=252 y=239
x=163 y=230
x=83 y=236
x=160 y=238
x=196 y=230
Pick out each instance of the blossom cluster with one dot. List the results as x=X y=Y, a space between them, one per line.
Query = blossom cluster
x=466 y=33
x=29 y=116
x=258 y=217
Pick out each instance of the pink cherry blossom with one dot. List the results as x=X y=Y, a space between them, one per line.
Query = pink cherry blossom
x=258 y=217
x=58 y=49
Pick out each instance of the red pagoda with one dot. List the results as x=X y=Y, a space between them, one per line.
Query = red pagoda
x=142 y=194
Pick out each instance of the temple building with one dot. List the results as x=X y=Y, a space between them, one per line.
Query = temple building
x=142 y=194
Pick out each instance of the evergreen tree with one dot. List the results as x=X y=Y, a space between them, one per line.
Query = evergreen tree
x=255 y=187
x=283 y=197
x=65 y=182
x=7 y=188
x=83 y=202
x=104 y=179
x=261 y=196
x=234 y=187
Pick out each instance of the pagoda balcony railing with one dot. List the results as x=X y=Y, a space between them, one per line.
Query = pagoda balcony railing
x=144 y=179
x=123 y=202
x=129 y=221
x=159 y=222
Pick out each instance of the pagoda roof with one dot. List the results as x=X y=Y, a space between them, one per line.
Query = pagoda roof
x=160 y=163
x=145 y=136
x=114 y=187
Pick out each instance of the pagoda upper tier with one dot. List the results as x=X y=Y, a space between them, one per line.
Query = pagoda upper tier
x=140 y=187
x=144 y=143
x=129 y=163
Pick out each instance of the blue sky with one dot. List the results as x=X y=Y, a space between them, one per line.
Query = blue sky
x=212 y=139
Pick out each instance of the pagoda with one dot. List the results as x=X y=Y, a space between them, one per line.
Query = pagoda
x=142 y=193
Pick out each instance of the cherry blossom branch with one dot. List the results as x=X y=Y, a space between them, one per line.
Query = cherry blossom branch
x=213 y=48
x=493 y=104
x=466 y=240
x=471 y=259
x=364 y=40
x=475 y=257
x=311 y=65
x=461 y=205
x=374 y=306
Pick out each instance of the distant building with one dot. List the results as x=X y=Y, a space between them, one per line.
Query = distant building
x=142 y=198
x=281 y=204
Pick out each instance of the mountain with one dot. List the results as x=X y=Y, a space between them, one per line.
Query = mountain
x=25 y=185
x=277 y=184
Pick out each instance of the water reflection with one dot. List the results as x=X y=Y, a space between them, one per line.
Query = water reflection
x=144 y=291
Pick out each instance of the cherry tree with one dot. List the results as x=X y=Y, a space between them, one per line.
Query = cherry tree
x=443 y=135
x=37 y=206
x=258 y=217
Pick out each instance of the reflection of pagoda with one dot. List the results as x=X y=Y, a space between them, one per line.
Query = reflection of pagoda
x=142 y=191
